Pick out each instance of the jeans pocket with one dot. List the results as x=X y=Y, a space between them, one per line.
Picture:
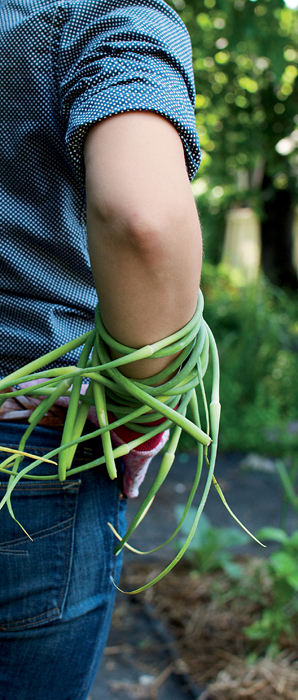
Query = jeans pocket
x=34 y=575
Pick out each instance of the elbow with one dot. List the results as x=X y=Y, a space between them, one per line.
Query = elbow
x=159 y=237
x=144 y=233
x=148 y=236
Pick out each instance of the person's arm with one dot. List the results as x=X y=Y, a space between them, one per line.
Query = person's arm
x=143 y=230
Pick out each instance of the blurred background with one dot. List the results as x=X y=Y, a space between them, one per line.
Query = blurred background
x=245 y=56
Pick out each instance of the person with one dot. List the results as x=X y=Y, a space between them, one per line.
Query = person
x=98 y=147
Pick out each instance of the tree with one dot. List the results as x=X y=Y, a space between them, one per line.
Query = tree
x=246 y=65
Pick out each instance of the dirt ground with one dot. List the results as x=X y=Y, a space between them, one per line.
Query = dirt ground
x=206 y=660
x=207 y=624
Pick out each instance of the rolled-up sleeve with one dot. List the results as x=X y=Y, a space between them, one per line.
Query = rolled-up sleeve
x=118 y=56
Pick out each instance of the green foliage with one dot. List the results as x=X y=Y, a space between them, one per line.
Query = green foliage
x=280 y=614
x=272 y=584
x=245 y=65
x=209 y=549
x=245 y=57
x=288 y=479
x=257 y=336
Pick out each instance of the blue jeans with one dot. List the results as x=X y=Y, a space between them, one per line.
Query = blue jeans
x=56 y=594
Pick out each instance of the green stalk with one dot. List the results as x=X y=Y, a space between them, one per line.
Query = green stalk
x=145 y=508
x=165 y=411
x=73 y=407
x=164 y=469
x=117 y=452
x=78 y=427
x=287 y=485
x=46 y=359
x=102 y=416
x=34 y=419
x=73 y=443
x=185 y=546
x=155 y=347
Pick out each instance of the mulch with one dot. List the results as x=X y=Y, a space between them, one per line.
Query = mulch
x=206 y=617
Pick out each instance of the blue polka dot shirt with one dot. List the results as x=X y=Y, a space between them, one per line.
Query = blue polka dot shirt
x=64 y=65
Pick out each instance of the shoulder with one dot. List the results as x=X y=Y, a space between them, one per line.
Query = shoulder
x=115 y=13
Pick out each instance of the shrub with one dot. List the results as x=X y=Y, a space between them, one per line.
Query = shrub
x=256 y=331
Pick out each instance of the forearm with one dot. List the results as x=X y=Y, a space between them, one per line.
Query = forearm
x=143 y=231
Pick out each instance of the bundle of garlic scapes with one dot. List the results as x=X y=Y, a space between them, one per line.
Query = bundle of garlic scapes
x=135 y=403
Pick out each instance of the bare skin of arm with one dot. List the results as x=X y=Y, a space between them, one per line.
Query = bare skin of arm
x=144 y=234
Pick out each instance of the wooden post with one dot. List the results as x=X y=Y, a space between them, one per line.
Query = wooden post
x=242 y=245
